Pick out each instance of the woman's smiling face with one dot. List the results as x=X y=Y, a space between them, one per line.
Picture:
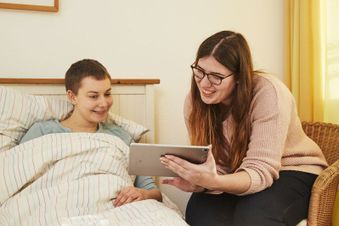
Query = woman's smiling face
x=210 y=93
x=93 y=100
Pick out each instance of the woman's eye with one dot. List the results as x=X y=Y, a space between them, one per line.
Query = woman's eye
x=199 y=71
x=93 y=97
x=108 y=94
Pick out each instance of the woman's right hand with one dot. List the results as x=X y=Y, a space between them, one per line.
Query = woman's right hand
x=183 y=184
x=192 y=176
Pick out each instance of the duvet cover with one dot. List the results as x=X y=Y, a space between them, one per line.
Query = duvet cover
x=71 y=179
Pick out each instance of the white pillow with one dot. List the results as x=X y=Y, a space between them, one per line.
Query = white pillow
x=19 y=111
x=134 y=129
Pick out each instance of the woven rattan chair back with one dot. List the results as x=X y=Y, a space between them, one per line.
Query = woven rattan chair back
x=324 y=189
x=326 y=135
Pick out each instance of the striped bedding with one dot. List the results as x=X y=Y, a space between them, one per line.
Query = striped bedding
x=71 y=179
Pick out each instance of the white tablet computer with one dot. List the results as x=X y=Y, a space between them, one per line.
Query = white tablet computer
x=144 y=159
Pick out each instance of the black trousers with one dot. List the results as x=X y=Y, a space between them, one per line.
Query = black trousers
x=284 y=203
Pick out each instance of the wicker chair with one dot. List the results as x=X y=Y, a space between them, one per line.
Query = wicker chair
x=326 y=135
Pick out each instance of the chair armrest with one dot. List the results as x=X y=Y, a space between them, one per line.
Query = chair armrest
x=323 y=196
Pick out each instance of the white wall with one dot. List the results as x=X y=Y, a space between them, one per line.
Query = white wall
x=150 y=38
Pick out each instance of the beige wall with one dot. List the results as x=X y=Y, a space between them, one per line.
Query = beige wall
x=150 y=38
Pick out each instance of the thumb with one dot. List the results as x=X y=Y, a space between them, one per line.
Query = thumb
x=210 y=156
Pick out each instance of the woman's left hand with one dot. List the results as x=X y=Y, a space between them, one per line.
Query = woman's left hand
x=195 y=174
x=183 y=184
x=129 y=194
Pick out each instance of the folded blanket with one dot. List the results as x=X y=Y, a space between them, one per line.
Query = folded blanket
x=71 y=179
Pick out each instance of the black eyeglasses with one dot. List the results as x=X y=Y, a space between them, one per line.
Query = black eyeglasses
x=213 y=77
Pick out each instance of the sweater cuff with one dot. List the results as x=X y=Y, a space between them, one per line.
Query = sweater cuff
x=256 y=182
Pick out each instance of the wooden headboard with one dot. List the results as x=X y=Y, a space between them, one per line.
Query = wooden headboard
x=133 y=99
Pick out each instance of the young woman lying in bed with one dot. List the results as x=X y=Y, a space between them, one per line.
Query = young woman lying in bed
x=88 y=86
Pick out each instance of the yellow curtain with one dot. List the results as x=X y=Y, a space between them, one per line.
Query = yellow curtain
x=331 y=100
x=304 y=57
x=312 y=58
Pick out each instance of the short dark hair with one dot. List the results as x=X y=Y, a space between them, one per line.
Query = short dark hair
x=82 y=69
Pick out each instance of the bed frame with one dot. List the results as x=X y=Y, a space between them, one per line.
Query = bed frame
x=133 y=99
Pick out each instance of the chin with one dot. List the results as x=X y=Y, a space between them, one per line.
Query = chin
x=98 y=120
x=208 y=101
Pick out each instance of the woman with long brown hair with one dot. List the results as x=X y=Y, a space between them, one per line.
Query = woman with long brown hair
x=261 y=166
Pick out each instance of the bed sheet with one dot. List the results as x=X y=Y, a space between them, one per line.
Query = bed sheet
x=71 y=179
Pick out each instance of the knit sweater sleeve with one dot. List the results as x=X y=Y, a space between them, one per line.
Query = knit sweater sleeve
x=270 y=117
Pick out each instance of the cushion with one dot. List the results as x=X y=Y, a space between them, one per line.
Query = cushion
x=19 y=111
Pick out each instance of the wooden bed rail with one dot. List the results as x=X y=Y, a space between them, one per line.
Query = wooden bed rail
x=127 y=81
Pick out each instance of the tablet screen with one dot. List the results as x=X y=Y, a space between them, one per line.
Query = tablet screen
x=144 y=159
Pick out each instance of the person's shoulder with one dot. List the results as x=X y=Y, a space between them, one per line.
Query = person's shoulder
x=50 y=126
x=267 y=79
x=41 y=123
x=270 y=90
x=38 y=129
x=269 y=83
x=113 y=129
x=47 y=123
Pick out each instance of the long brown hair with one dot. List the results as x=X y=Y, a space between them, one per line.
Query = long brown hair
x=206 y=120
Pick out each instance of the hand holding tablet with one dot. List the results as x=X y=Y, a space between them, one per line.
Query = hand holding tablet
x=144 y=159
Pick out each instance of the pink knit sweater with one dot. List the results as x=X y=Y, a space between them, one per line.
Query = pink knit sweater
x=277 y=141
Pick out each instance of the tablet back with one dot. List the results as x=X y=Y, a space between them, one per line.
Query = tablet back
x=144 y=159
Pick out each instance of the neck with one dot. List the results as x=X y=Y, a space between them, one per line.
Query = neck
x=77 y=124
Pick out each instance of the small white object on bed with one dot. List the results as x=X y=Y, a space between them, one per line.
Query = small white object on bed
x=70 y=179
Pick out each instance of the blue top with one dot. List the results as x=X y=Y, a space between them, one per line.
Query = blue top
x=39 y=129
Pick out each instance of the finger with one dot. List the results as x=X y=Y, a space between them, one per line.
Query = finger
x=177 y=160
x=182 y=185
x=128 y=200
x=174 y=163
x=181 y=171
x=120 y=200
x=167 y=181
x=117 y=201
x=117 y=198
x=210 y=156
x=176 y=181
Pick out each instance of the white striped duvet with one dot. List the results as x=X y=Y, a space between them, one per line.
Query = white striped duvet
x=71 y=179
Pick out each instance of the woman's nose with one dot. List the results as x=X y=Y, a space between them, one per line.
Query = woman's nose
x=103 y=102
x=204 y=82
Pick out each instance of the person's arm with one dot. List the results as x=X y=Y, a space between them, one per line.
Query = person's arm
x=33 y=132
x=272 y=109
x=145 y=188
x=204 y=177
x=153 y=194
x=151 y=190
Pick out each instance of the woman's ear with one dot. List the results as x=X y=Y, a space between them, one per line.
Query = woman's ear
x=71 y=97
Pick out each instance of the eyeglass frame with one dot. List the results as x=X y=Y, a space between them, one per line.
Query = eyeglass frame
x=196 y=67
